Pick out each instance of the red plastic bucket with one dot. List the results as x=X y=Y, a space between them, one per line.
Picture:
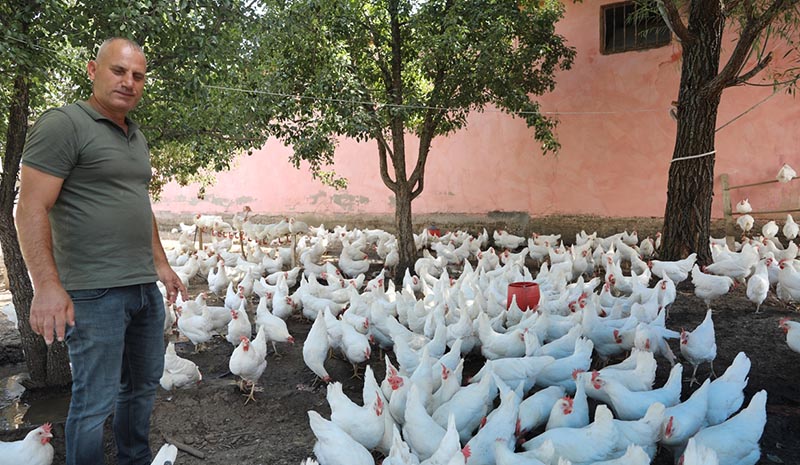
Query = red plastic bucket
x=527 y=294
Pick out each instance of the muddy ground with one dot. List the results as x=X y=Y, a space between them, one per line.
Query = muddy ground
x=214 y=419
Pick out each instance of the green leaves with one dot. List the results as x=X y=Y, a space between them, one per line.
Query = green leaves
x=454 y=57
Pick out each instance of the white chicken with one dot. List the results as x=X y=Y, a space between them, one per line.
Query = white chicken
x=559 y=372
x=355 y=346
x=677 y=270
x=684 y=420
x=499 y=425
x=770 y=229
x=745 y=223
x=644 y=432
x=505 y=240
x=275 y=327
x=788 y=282
x=700 y=346
x=736 y=440
x=218 y=279
x=786 y=174
x=469 y=405
x=708 y=287
x=582 y=445
x=315 y=348
x=535 y=410
x=364 y=424
x=726 y=393
x=353 y=261
x=422 y=432
x=239 y=325
x=234 y=296
x=758 y=285
x=498 y=345
x=570 y=412
x=248 y=361
x=334 y=446
x=632 y=405
x=196 y=327
x=792 y=330
x=790 y=228
x=744 y=206
x=178 y=372
x=34 y=449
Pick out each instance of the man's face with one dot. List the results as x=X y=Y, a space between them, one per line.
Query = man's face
x=118 y=75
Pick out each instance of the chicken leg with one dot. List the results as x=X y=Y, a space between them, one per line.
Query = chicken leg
x=356 y=375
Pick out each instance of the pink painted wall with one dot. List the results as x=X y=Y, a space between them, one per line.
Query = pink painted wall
x=616 y=134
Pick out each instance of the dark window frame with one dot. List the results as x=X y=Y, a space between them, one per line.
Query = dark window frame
x=632 y=39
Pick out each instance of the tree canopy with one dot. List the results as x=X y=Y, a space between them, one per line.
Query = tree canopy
x=191 y=128
x=385 y=69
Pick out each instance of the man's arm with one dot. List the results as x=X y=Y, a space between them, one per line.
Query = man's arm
x=51 y=308
x=165 y=272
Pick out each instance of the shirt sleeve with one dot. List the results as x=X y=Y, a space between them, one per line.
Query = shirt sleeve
x=52 y=145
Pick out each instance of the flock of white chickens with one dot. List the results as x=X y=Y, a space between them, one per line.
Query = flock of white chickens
x=538 y=361
x=529 y=403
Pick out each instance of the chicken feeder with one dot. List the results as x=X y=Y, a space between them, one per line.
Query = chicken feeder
x=527 y=294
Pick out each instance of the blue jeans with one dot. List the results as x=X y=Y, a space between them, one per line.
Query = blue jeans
x=117 y=353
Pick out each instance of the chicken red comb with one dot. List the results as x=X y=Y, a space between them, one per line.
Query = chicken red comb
x=595 y=375
x=782 y=322
x=47 y=427
x=466 y=452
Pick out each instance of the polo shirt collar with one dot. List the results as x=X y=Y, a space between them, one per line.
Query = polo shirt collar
x=132 y=126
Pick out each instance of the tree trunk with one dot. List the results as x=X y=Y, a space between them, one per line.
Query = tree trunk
x=47 y=366
x=690 y=188
x=406 y=247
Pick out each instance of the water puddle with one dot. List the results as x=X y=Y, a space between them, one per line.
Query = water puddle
x=15 y=414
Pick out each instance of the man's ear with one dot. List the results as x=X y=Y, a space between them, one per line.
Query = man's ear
x=91 y=68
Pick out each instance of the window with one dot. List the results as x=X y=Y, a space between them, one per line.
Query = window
x=621 y=32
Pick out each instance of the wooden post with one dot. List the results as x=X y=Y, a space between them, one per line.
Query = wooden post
x=727 y=211
x=294 y=250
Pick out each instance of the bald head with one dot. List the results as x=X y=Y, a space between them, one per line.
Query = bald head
x=114 y=42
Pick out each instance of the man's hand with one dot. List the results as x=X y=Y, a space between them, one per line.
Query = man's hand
x=51 y=311
x=172 y=283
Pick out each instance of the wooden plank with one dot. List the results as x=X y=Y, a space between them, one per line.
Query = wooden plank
x=726 y=210
x=758 y=183
x=769 y=212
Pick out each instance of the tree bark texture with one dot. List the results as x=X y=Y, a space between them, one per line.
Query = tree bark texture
x=47 y=366
x=690 y=188
x=406 y=246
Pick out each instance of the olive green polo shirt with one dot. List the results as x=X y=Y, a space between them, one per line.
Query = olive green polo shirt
x=102 y=220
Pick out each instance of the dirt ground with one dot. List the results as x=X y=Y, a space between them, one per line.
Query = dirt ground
x=213 y=418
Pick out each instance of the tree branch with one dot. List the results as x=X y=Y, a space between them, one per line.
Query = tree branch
x=674 y=20
x=756 y=69
x=383 y=148
x=376 y=41
x=728 y=76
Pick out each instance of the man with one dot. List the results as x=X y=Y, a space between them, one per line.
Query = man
x=91 y=243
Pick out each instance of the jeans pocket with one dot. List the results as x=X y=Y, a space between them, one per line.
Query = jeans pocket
x=86 y=295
